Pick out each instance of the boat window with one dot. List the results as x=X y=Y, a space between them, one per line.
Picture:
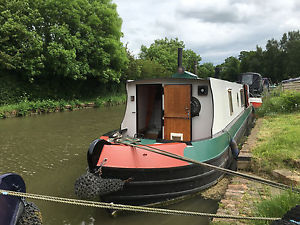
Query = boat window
x=237 y=99
x=247 y=79
x=230 y=101
x=242 y=97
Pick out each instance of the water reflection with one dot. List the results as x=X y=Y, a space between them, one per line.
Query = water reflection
x=49 y=152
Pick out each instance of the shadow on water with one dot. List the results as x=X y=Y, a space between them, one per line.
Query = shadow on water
x=49 y=151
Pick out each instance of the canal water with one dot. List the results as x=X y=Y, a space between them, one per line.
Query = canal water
x=49 y=152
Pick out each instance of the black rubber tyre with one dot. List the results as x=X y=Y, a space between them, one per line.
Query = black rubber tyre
x=90 y=186
x=31 y=215
x=195 y=107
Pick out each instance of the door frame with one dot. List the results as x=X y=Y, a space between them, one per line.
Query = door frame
x=138 y=86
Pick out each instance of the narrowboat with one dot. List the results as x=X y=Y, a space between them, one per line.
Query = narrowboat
x=256 y=87
x=201 y=119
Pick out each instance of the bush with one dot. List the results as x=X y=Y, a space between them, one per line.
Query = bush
x=280 y=102
x=26 y=107
x=22 y=109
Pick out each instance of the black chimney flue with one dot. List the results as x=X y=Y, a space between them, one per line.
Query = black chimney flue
x=179 y=57
x=180 y=67
x=195 y=67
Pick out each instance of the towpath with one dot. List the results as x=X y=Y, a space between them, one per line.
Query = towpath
x=241 y=195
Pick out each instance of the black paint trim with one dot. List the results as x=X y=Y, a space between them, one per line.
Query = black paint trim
x=213 y=109
x=191 y=121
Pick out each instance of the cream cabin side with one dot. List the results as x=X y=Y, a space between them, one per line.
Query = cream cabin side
x=228 y=103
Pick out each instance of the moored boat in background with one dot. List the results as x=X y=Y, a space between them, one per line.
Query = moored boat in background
x=256 y=102
x=256 y=87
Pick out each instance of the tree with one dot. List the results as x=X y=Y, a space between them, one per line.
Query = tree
x=151 y=69
x=252 y=61
x=76 y=39
x=82 y=39
x=190 y=60
x=21 y=46
x=293 y=58
x=279 y=61
x=291 y=46
x=133 y=70
x=164 y=52
x=206 y=70
x=230 y=69
x=273 y=61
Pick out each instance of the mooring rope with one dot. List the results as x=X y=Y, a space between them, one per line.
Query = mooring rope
x=142 y=209
x=231 y=172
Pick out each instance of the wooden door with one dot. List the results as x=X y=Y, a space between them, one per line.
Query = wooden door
x=177 y=112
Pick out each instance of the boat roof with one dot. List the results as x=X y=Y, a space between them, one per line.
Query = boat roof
x=177 y=76
x=291 y=80
x=186 y=75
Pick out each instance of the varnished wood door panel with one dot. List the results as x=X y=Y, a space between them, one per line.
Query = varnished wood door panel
x=177 y=110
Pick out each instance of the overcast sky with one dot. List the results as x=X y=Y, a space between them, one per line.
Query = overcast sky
x=214 y=29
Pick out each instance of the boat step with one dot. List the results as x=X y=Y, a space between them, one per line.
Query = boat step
x=244 y=160
x=245 y=156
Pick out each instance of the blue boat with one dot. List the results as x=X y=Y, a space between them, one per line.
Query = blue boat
x=11 y=207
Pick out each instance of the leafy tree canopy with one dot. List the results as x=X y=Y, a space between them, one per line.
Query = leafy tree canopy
x=230 y=69
x=206 y=70
x=70 y=38
x=164 y=52
x=279 y=61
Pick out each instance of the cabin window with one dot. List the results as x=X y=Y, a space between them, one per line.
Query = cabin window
x=237 y=99
x=230 y=101
x=242 y=97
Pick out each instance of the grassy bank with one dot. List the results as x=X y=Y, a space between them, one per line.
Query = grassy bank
x=278 y=144
x=27 y=107
x=276 y=206
x=278 y=147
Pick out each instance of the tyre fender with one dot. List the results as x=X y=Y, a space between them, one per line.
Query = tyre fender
x=234 y=149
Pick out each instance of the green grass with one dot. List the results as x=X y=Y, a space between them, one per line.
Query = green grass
x=110 y=100
x=278 y=142
x=277 y=146
x=277 y=206
x=27 y=107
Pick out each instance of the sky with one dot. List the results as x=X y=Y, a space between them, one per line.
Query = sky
x=214 y=29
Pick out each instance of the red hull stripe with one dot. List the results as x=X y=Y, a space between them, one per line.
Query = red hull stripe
x=122 y=156
x=256 y=104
